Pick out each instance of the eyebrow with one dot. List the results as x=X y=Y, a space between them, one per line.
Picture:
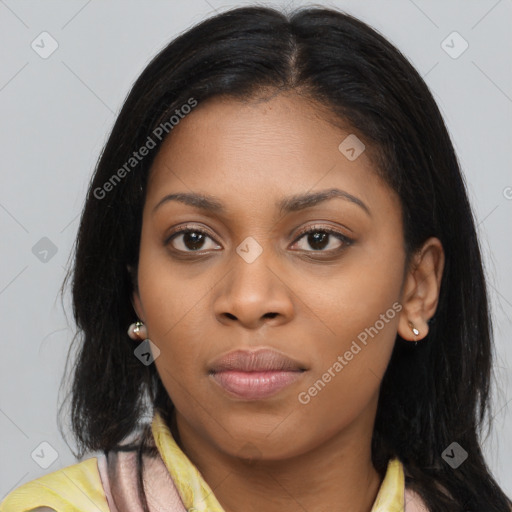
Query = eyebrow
x=287 y=205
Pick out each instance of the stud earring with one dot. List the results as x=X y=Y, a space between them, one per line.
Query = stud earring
x=137 y=331
x=413 y=329
x=415 y=332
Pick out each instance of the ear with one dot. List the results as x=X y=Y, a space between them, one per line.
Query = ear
x=420 y=294
x=135 y=298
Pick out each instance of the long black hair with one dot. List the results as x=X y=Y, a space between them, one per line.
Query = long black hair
x=432 y=395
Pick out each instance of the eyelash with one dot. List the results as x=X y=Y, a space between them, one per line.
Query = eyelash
x=311 y=229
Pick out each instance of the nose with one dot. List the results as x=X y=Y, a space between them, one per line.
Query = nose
x=253 y=294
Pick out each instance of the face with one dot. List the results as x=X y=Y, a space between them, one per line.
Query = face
x=271 y=261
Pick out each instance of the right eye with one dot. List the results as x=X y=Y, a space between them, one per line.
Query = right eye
x=189 y=240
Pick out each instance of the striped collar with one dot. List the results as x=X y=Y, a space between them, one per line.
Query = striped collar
x=197 y=495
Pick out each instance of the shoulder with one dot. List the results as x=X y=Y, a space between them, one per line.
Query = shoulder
x=413 y=502
x=76 y=487
x=160 y=489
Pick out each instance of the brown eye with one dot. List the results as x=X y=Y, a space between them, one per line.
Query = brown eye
x=191 y=240
x=322 y=239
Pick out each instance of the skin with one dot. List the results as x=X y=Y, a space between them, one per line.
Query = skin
x=277 y=454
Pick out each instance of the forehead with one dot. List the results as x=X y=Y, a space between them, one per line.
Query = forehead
x=252 y=150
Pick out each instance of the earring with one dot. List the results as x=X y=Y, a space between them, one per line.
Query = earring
x=415 y=331
x=137 y=331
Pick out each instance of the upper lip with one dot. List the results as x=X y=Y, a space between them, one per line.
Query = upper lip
x=255 y=360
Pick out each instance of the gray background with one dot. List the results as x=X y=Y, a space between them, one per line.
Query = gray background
x=57 y=112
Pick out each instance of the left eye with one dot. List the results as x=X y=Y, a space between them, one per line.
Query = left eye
x=321 y=238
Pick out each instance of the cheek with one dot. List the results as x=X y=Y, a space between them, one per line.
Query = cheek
x=359 y=296
x=347 y=372
x=358 y=314
x=173 y=315
x=165 y=294
x=166 y=300
x=175 y=306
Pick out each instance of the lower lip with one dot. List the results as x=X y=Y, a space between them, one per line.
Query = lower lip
x=255 y=385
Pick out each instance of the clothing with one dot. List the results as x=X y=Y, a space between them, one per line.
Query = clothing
x=174 y=484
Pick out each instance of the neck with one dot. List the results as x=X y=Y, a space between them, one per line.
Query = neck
x=338 y=474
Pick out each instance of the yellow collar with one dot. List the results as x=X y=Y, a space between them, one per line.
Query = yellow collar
x=197 y=495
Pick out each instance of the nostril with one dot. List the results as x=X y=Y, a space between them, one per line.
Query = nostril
x=270 y=315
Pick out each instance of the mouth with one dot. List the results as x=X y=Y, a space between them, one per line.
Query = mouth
x=255 y=385
x=255 y=375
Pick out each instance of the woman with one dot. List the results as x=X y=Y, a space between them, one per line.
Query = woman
x=280 y=221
